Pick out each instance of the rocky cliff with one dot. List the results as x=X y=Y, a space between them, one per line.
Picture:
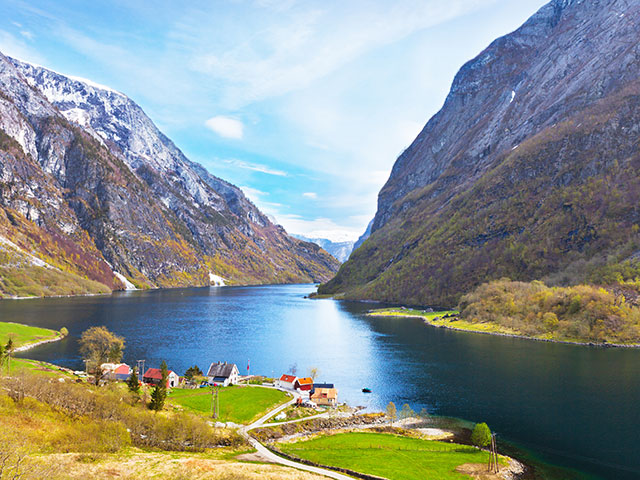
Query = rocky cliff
x=93 y=192
x=529 y=169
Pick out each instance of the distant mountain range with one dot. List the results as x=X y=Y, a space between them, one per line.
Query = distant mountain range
x=340 y=250
x=530 y=170
x=96 y=198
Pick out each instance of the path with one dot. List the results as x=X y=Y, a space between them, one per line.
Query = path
x=269 y=455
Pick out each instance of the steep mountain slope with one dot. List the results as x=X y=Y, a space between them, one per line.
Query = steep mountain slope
x=339 y=250
x=530 y=167
x=90 y=186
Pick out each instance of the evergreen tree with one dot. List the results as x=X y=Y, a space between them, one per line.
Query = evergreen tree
x=192 y=372
x=133 y=383
x=159 y=393
x=8 y=351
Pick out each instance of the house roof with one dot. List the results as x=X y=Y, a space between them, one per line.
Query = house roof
x=288 y=378
x=305 y=381
x=123 y=368
x=323 y=385
x=325 y=393
x=155 y=373
x=223 y=370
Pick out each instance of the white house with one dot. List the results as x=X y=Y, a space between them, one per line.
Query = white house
x=224 y=374
x=287 y=382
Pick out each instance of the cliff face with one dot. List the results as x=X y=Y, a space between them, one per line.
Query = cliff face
x=91 y=187
x=530 y=166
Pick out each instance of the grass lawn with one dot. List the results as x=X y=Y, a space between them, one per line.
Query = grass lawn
x=391 y=456
x=237 y=404
x=24 y=334
x=35 y=366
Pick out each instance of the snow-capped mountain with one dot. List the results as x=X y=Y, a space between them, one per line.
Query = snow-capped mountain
x=82 y=160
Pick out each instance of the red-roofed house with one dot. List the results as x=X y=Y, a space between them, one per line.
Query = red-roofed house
x=154 y=375
x=304 y=384
x=115 y=371
x=123 y=372
x=287 y=382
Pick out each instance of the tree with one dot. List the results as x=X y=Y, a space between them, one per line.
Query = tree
x=159 y=394
x=313 y=373
x=424 y=413
x=132 y=382
x=293 y=369
x=8 y=352
x=406 y=412
x=481 y=435
x=192 y=372
x=97 y=346
x=392 y=412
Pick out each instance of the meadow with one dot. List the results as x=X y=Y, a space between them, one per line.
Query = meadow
x=238 y=404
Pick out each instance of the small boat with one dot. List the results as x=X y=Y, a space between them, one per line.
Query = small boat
x=366 y=390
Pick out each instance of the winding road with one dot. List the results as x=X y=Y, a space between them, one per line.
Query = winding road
x=269 y=455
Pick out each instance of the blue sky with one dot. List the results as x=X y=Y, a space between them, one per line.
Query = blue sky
x=305 y=105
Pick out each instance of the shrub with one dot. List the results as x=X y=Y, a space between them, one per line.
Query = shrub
x=481 y=435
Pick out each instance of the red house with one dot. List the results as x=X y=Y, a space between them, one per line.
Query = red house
x=304 y=384
x=154 y=375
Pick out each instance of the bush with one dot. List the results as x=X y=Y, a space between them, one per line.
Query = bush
x=581 y=312
x=64 y=332
x=481 y=435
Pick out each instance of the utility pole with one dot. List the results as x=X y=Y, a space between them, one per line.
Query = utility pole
x=493 y=455
x=215 y=402
x=140 y=368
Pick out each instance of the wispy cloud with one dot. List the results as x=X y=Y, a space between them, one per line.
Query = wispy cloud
x=312 y=195
x=256 y=167
x=226 y=127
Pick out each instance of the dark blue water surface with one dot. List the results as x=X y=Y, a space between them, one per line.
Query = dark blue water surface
x=571 y=405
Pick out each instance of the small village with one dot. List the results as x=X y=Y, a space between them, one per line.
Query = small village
x=308 y=393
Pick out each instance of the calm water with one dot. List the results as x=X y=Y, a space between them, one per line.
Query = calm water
x=571 y=405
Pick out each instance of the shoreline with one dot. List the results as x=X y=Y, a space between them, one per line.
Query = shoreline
x=510 y=335
x=29 y=346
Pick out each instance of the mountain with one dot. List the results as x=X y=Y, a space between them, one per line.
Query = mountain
x=529 y=170
x=93 y=192
x=339 y=250
x=364 y=236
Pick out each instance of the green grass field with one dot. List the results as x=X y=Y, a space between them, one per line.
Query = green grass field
x=24 y=334
x=15 y=365
x=435 y=319
x=391 y=456
x=237 y=404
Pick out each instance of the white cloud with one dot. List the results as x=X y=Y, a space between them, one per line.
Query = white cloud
x=17 y=48
x=288 y=50
x=226 y=127
x=256 y=167
x=313 y=195
x=27 y=34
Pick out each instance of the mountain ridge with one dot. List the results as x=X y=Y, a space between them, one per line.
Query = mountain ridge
x=81 y=160
x=513 y=176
